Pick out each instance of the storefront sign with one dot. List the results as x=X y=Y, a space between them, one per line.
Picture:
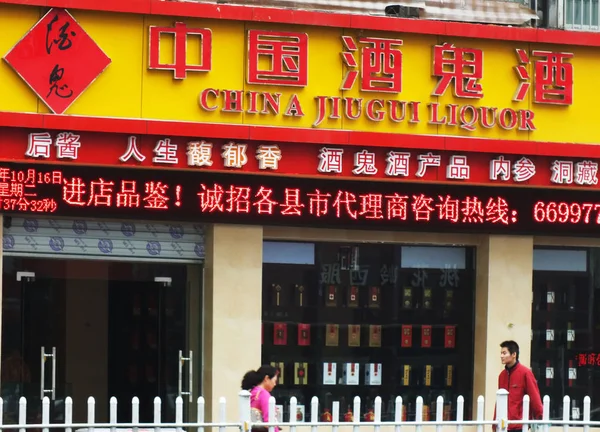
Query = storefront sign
x=373 y=163
x=85 y=191
x=219 y=71
x=57 y=59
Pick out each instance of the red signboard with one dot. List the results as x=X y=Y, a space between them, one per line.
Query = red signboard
x=57 y=59
x=291 y=159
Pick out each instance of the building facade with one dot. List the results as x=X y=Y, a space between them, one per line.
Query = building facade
x=370 y=203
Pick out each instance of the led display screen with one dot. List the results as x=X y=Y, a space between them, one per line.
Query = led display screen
x=234 y=198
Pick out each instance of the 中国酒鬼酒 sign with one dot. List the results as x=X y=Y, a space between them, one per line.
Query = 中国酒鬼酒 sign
x=219 y=71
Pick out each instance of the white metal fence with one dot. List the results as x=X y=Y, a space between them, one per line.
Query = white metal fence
x=243 y=424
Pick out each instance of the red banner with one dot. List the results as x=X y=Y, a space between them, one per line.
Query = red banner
x=292 y=159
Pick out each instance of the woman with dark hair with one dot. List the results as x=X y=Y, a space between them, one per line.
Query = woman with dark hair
x=260 y=383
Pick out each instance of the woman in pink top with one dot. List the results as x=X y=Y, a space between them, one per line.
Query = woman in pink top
x=260 y=383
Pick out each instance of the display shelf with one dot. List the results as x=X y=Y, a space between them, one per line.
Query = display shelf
x=338 y=333
x=560 y=330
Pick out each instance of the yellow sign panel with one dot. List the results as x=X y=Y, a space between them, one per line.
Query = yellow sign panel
x=217 y=71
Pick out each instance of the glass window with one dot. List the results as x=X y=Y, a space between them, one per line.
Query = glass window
x=565 y=352
x=370 y=320
x=581 y=14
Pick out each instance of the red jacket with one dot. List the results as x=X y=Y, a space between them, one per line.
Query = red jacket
x=519 y=381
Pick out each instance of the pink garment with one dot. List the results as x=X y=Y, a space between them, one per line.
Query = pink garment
x=259 y=399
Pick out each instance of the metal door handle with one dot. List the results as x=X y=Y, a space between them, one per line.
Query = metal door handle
x=43 y=389
x=182 y=360
x=53 y=373
x=191 y=372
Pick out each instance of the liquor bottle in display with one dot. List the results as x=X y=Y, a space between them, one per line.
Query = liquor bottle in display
x=407 y=298
x=427 y=298
x=300 y=295
x=331 y=294
x=572 y=298
x=354 y=335
x=353 y=301
x=374 y=297
x=375 y=336
x=448 y=302
x=304 y=334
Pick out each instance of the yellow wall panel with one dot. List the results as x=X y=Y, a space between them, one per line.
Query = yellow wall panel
x=129 y=89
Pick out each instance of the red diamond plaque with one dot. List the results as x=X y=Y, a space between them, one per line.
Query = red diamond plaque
x=57 y=59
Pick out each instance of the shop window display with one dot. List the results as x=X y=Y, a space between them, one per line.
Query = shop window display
x=565 y=352
x=343 y=320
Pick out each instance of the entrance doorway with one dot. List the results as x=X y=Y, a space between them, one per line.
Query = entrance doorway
x=95 y=328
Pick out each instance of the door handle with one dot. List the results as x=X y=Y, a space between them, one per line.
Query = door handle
x=44 y=357
x=190 y=360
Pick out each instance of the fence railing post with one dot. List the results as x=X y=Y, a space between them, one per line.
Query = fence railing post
x=460 y=412
x=179 y=412
x=222 y=413
x=587 y=408
x=525 y=412
x=480 y=412
x=91 y=413
x=293 y=410
x=22 y=413
x=502 y=409
x=546 y=412
x=566 y=412
x=398 y=414
x=439 y=412
x=377 y=410
x=354 y=421
x=45 y=412
x=113 y=413
x=272 y=413
x=335 y=415
x=135 y=413
x=68 y=413
x=314 y=413
x=244 y=406
x=157 y=413
x=200 y=413
x=419 y=414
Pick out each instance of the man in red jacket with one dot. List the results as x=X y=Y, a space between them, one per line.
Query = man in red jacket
x=519 y=381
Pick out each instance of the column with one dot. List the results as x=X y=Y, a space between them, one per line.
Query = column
x=233 y=302
x=502 y=308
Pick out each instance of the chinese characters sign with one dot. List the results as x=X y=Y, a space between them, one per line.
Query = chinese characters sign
x=218 y=71
x=57 y=59
x=587 y=359
x=80 y=191
x=376 y=67
x=289 y=159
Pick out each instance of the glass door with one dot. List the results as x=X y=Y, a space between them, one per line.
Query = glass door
x=83 y=328
x=32 y=366
x=177 y=359
x=148 y=355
